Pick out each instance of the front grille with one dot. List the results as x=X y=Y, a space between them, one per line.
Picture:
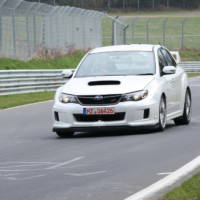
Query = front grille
x=99 y=99
x=94 y=118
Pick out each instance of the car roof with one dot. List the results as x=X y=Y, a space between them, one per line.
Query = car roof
x=131 y=47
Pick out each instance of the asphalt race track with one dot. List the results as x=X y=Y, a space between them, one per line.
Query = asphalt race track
x=36 y=165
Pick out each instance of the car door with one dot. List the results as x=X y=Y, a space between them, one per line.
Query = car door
x=174 y=78
x=166 y=81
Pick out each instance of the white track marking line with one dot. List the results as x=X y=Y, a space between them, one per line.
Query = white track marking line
x=167 y=181
x=16 y=162
x=164 y=173
x=28 y=165
x=19 y=170
x=15 y=174
x=57 y=165
x=85 y=174
x=23 y=179
x=65 y=163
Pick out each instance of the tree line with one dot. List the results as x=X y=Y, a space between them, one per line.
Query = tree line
x=126 y=4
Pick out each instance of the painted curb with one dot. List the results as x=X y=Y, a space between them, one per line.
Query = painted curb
x=166 y=182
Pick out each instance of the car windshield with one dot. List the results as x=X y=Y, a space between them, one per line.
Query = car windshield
x=117 y=64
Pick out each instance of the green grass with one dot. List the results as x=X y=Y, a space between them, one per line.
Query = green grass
x=190 y=55
x=193 y=75
x=71 y=61
x=190 y=190
x=64 y=62
x=8 y=101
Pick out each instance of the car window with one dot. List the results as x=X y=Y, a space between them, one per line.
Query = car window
x=162 y=61
x=170 y=61
x=117 y=64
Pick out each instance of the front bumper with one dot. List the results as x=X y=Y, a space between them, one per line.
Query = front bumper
x=134 y=116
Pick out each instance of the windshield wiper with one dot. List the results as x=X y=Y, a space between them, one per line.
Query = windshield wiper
x=144 y=74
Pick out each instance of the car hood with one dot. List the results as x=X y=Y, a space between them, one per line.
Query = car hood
x=106 y=85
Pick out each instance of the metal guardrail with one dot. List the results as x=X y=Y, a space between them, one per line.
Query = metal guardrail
x=191 y=66
x=25 y=81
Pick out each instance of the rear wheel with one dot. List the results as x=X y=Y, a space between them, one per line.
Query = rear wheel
x=63 y=134
x=186 y=117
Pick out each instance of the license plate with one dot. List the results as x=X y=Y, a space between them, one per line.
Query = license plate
x=98 y=111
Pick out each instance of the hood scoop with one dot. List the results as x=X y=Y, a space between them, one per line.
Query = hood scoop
x=109 y=82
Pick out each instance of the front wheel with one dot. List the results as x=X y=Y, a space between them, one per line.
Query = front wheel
x=63 y=134
x=162 y=115
x=186 y=117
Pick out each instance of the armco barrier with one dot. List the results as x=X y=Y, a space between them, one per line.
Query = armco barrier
x=25 y=81
x=191 y=66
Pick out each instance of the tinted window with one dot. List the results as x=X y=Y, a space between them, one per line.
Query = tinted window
x=162 y=61
x=170 y=61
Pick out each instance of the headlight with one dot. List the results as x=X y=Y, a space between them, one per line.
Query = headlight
x=65 y=98
x=135 y=96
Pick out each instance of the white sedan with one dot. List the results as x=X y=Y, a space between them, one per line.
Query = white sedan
x=124 y=86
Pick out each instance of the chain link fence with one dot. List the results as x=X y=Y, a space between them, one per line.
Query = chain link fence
x=173 y=32
x=114 y=31
x=29 y=29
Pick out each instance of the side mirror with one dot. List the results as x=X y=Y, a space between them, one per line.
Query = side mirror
x=169 y=70
x=67 y=73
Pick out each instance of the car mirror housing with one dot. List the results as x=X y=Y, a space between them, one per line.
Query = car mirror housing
x=169 y=70
x=68 y=73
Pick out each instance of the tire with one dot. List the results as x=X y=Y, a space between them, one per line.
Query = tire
x=162 y=115
x=186 y=117
x=63 y=134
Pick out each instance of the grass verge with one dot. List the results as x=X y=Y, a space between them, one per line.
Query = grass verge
x=190 y=55
x=8 y=101
x=193 y=75
x=71 y=61
x=189 y=190
x=65 y=62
